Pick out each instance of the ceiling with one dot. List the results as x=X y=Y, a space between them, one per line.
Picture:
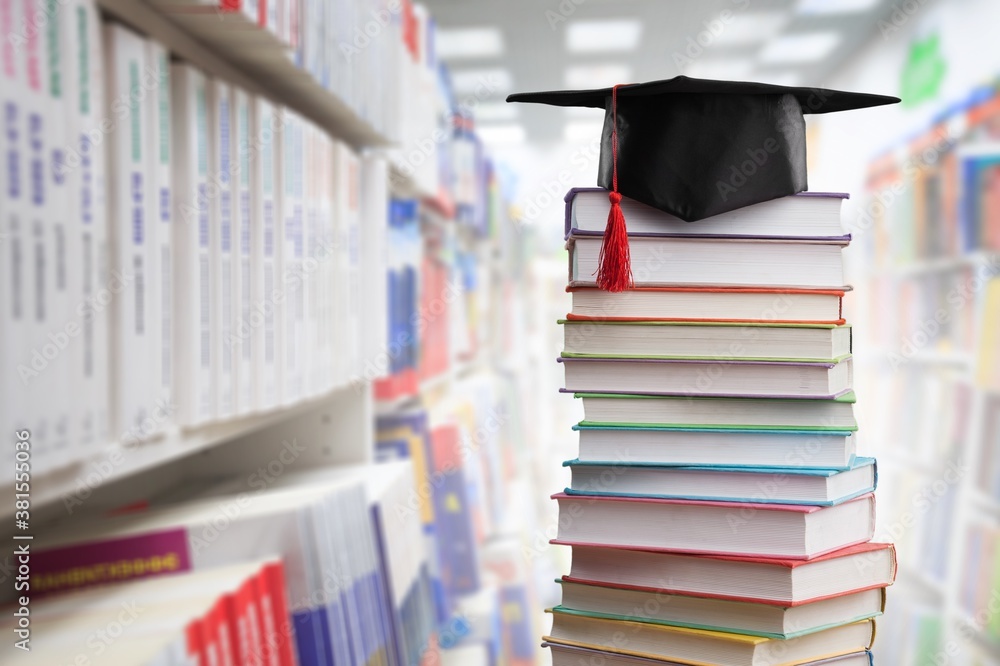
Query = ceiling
x=737 y=39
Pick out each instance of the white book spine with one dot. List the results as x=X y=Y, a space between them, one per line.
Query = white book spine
x=278 y=295
x=15 y=365
x=348 y=240
x=263 y=316
x=221 y=205
x=374 y=260
x=70 y=26
x=311 y=238
x=37 y=236
x=192 y=263
x=292 y=285
x=353 y=260
x=128 y=194
x=98 y=285
x=242 y=242
x=338 y=267
x=158 y=153
x=325 y=260
x=62 y=384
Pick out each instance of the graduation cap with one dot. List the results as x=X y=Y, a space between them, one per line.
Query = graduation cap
x=696 y=148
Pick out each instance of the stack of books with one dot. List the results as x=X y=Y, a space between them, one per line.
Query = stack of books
x=718 y=512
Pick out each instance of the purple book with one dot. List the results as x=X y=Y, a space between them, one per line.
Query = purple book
x=813 y=216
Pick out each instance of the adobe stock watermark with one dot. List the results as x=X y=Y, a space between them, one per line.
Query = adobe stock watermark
x=424 y=149
x=56 y=342
x=562 y=13
x=758 y=156
x=958 y=298
x=364 y=35
x=100 y=471
x=395 y=347
x=484 y=433
x=695 y=46
x=880 y=202
x=901 y=14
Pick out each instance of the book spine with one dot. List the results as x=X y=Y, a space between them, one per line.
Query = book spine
x=14 y=367
x=62 y=380
x=310 y=282
x=36 y=230
x=374 y=259
x=243 y=234
x=94 y=216
x=191 y=242
x=267 y=134
x=221 y=224
x=352 y=253
x=128 y=196
x=324 y=257
x=291 y=255
x=158 y=153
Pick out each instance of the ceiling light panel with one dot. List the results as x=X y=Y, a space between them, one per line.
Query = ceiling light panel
x=494 y=111
x=501 y=134
x=482 y=82
x=800 y=48
x=749 y=28
x=458 y=43
x=603 y=36
x=827 y=7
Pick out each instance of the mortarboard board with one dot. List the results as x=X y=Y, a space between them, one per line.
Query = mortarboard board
x=696 y=148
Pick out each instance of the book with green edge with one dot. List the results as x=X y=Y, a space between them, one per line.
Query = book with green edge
x=738 y=413
x=754 y=616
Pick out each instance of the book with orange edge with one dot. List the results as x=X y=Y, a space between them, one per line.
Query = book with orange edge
x=770 y=305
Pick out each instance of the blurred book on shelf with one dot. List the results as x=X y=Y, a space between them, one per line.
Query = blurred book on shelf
x=932 y=268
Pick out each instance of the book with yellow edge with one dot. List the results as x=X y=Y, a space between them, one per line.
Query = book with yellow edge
x=700 y=647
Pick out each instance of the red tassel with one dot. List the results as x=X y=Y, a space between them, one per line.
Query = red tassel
x=614 y=271
x=614 y=265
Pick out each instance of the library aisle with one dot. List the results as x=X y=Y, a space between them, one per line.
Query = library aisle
x=283 y=284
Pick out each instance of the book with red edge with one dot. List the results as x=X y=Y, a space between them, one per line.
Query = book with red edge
x=743 y=529
x=763 y=580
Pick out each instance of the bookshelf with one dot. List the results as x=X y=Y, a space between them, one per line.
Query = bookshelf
x=464 y=230
x=195 y=37
x=924 y=267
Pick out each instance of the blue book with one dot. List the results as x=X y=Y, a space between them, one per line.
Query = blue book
x=760 y=485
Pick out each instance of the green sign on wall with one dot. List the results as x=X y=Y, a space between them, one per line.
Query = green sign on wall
x=923 y=72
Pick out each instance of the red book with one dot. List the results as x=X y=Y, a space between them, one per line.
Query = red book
x=775 y=581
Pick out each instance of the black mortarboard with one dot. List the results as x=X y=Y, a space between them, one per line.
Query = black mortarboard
x=696 y=148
